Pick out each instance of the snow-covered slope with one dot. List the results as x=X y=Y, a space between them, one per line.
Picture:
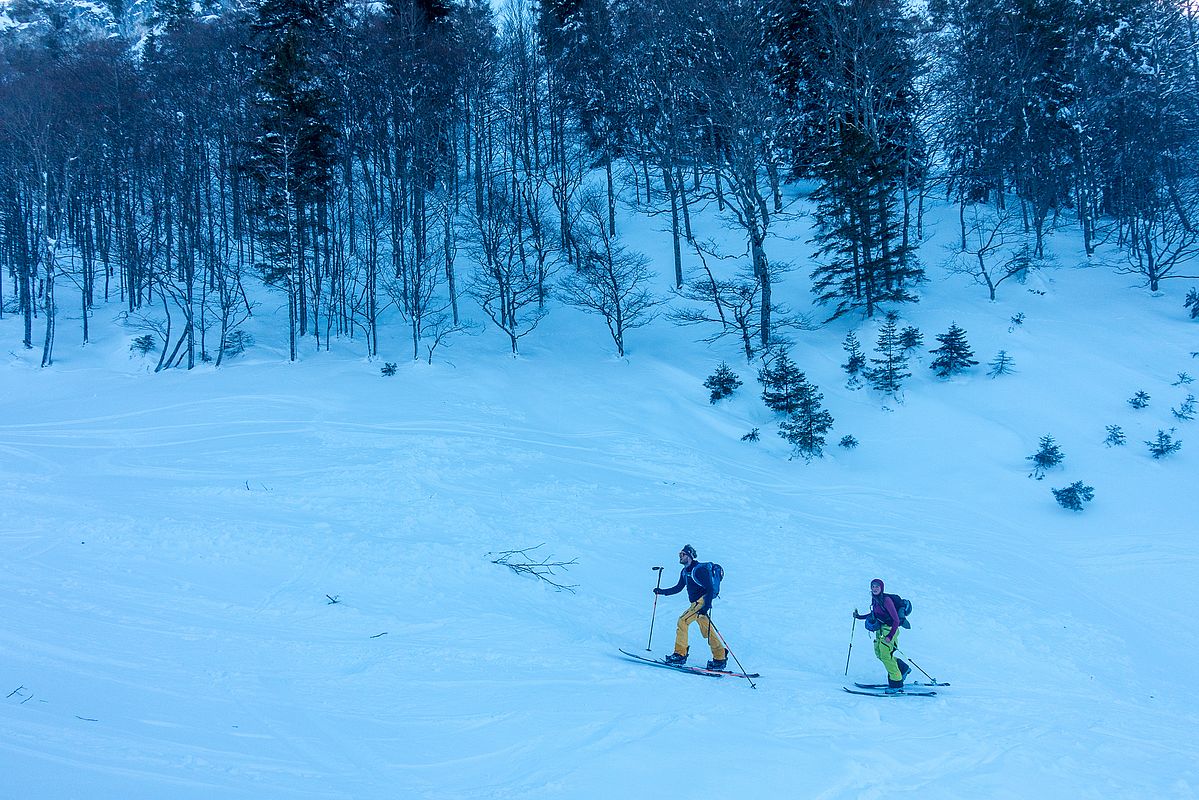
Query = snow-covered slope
x=169 y=544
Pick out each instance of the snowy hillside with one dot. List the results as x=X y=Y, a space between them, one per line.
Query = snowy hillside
x=171 y=543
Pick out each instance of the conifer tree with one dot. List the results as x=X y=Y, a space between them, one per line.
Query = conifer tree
x=868 y=152
x=782 y=384
x=911 y=338
x=1186 y=410
x=1115 y=436
x=806 y=426
x=855 y=362
x=293 y=151
x=1074 y=496
x=1164 y=445
x=1000 y=365
x=954 y=355
x=1046 y=458
x=722 y=383
x=890 y=368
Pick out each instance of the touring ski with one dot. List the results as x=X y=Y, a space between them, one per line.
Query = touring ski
x=714 y=673
x=885 y=693
x=926 y=685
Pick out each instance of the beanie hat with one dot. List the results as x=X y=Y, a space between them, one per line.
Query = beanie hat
x=689 y=550
x=879 y=581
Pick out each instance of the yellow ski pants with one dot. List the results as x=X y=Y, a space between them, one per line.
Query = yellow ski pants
x=705 y=629
x=886 y=652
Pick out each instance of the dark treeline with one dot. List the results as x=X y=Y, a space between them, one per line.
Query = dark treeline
x=388 y=161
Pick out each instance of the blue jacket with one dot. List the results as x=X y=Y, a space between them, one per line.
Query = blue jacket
x=701 y=581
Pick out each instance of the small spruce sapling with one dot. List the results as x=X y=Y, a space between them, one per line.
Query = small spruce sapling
x=1192 y=302
x=1139 y=400
x=752 y=436
x=1186 y=411
x=1074 y=496
x=1183 y=379
x=722 y=383
x=807 y=425
x=1048 y=457
x=142 y=344
x=1115 y=436
x=236 y=343
x=1016 y=321
x=848 y=442
x=388 y=369
x=1164 y=445
x=911 y=338
x=891 y=368
x=954 y=355
x=855 y=361
x=1001 y=365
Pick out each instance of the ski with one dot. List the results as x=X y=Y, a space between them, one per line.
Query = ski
x=936 y=684
x=884 y=693
x=712 y=673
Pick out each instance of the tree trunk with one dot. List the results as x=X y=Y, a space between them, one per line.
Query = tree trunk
x=671 y=190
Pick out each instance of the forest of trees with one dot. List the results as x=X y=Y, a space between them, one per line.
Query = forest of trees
x=388 y=161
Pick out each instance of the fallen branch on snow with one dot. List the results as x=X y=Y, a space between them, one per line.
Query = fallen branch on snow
x=522 y=563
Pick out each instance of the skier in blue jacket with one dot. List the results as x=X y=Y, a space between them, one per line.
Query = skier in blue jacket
x=703 y=584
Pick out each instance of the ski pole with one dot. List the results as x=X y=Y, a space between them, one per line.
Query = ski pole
x=720 y=636
x=852 y=630
x=933 y=681
x=655 y=614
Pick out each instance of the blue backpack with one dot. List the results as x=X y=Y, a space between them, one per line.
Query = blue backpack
x=902 y=608
x=715 y=573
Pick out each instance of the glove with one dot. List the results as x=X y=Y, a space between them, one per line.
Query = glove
x=658 y=591
x=856 y=615
x=703 y=612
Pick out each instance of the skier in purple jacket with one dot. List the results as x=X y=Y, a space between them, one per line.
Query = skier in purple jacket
x=886 y=634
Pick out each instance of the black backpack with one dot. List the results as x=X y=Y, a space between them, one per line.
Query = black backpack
x=903 y=608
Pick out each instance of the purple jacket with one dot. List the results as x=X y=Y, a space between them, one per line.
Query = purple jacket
x=884 y=611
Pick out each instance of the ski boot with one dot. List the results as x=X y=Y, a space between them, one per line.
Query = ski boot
x=675 y=660
x=904 y=669
x=717 y=663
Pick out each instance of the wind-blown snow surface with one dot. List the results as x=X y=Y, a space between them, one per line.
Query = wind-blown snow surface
x=168 y=543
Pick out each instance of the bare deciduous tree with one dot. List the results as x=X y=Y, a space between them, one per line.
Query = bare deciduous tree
x=994 y=249
x=610 y=279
